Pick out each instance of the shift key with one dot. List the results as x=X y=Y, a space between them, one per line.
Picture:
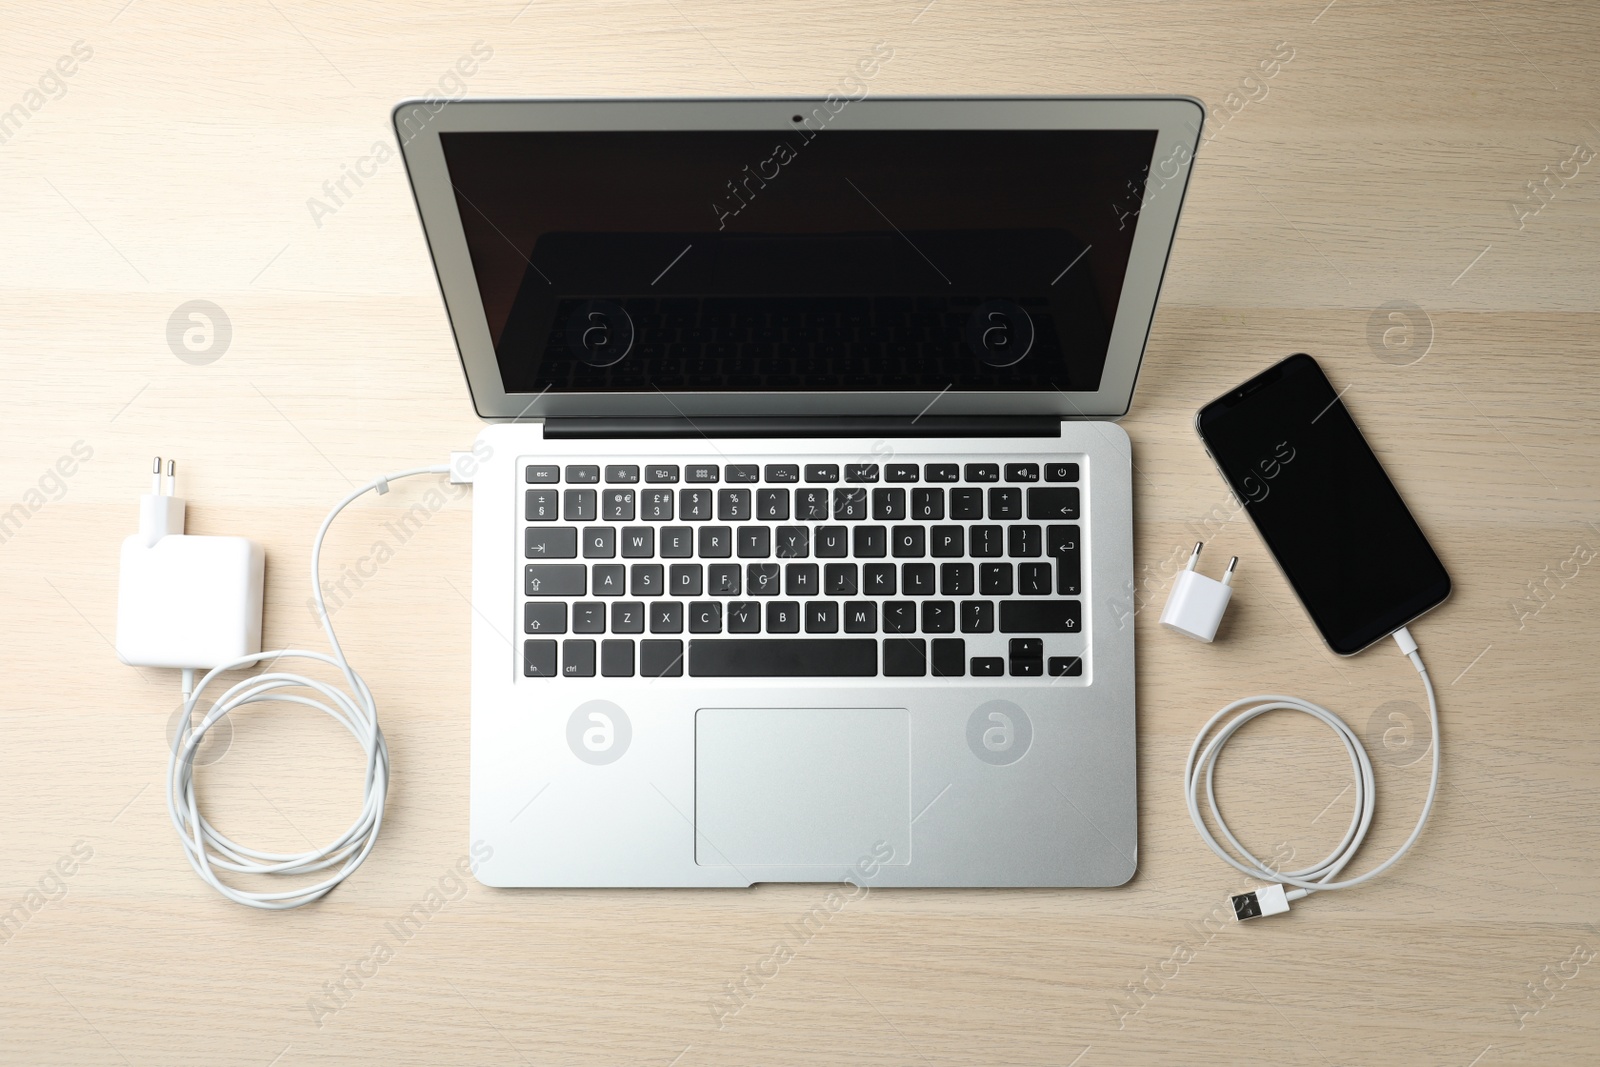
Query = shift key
x=555 y=579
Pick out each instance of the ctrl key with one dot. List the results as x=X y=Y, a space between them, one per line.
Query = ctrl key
x=539 y=659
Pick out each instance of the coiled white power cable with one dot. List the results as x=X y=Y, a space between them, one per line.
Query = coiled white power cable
x=1320 y=876
x=352 y=707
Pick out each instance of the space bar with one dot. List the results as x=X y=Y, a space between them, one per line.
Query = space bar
x=769 y=657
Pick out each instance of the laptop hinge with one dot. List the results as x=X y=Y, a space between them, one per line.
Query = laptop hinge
x=806 y=426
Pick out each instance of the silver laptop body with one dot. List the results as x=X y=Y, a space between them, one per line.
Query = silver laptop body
x=802 y=532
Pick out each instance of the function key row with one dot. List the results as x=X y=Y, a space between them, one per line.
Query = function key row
x=815 y=473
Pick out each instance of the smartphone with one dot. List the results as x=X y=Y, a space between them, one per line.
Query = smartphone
x=1323 y=504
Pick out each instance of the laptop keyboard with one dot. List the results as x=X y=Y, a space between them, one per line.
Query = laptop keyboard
x=943 y=568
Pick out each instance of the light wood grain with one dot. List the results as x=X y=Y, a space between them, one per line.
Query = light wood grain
x=1381 y=161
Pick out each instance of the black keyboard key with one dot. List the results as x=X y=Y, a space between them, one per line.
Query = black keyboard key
x=850 y=504
x=822 y=472
x=599 y=542
x=942 y=472
x=647 y=579
x=550 y=542
x=554 y=579
x=782 y=472
x=794 y=542
x=822 y=617
x=909 y=542
x=878 y=579
x=661 y=472
x=872 y=542
x=685 y=579
x=1065 y=667
x=783 y=617
x=577 y=658
x=622 y=474
x=1053 y=502
x=948 y=541
x=705 y=617
x=1022 y=472
x=801 y=579
x=986 y=542
x=861 y=617
x=743 y=617
x=539 y=659
x=661 y=659
x=638 y=542
x=742 y=472
x=1024 y=540
x=802 y=657
x=701 y=472
x=977 y=616
x=616 y=658
x=949 y=657
x=541 y=505
x=609 y=579
x=627 y=617
x=616 y=505
x=583 y=472
x=666 y=617
x=716 y=542
x=927 y=504
x=733 y=505
x=988 y=667
x=1027 y=656
x=1033 y=579
x=966 y=503
x=938 y=617
x=1063 y=543
x=861 y=472
x=723 y=579
x=811 y=505
x=772 y=505
x=899 y=617
x=694 y=505
x=761 y=579
x=1041 y=616
x=889 y=505
x=983 y=472
x=580 y=505
x=543 y=475
x=589 y=617
x=1060 y=472
x=755 y=542
x=995 y=579
x=677 y=542
x=916 y=579
x=905 y=657
x=1005 y=503
x=955 y=579
x=900 y=472
x=839 y=579
x=549 y=617
x=655 y=505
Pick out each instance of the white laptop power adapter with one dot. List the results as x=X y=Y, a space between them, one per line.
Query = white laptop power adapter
x=185 y=600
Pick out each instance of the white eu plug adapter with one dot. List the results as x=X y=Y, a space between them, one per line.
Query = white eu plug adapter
x=1196 y=603
x=185 y=600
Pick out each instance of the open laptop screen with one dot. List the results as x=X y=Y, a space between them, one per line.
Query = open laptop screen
x=717 y=261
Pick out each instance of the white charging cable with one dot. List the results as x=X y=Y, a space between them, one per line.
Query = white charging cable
x=352 y=707
x=1274 y=899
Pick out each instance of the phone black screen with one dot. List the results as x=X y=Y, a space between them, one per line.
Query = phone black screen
x=1323 y=504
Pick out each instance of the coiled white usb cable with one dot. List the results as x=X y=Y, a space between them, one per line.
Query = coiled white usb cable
x=352 y=707
x=1274 y=899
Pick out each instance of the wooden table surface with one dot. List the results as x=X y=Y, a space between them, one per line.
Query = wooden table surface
x=1369 y=202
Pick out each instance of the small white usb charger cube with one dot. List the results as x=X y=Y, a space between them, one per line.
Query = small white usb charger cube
x=184 y=600
x=1196 y=603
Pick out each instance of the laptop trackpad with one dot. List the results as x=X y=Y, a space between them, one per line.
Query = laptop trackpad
x=801 y=786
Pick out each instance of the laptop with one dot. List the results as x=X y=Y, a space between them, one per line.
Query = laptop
x=802 y=528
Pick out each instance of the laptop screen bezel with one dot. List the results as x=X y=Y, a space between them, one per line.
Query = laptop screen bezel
x=1176 y=121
